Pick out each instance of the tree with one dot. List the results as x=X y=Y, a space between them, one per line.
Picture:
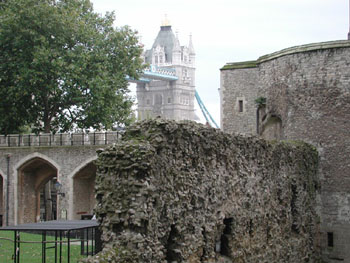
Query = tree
x=62 y=66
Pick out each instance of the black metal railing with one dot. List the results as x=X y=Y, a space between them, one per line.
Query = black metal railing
x=59 y=139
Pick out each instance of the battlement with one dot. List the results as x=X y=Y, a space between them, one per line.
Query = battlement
x=59 y=139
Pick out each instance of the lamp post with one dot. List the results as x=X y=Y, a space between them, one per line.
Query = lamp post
x=58 y=187
x=349 y=22
x=8 y=156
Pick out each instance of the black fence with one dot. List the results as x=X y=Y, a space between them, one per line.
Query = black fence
x=60 y=139
x=51 y=241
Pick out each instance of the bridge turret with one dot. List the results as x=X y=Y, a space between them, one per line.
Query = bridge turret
x=192 y=53
x=171 y=97
x=177 y=51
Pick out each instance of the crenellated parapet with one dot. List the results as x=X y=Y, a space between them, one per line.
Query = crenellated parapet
x=59 y=139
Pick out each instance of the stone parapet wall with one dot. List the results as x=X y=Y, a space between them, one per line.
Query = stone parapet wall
x=59 y=139
x=67 y=162
x=182 y=192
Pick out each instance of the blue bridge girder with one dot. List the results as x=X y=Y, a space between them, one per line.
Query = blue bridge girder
x=156 y=73
x=169 y=74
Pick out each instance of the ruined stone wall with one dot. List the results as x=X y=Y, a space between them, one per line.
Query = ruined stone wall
x=308 y=89
x=182 y=192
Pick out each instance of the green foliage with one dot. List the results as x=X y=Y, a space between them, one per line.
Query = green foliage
x=62 y=66
x=260 y=102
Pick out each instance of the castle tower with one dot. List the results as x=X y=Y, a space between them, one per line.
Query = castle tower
x=169 y=99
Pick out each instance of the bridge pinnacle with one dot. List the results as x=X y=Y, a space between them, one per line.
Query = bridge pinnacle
x=165 y=21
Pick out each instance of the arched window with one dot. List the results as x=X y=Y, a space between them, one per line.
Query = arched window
x=158 y=99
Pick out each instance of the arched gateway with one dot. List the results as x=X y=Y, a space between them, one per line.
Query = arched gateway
x=37 y=198
x=28 y=163
x=84 y=191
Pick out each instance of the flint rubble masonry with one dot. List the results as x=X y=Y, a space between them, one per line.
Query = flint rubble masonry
x=183 y=192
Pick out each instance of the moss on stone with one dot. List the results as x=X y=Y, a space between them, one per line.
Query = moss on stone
x=240 y=65
x=117 y=254
x=168 y=191
x=287 y=51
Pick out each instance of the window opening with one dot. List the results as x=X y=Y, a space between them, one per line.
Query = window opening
x=226 y=237
x=158 y=99
x=171 y=246
x=330 y=239
x=240 y=105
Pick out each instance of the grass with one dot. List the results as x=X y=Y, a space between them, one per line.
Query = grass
x=32 y=252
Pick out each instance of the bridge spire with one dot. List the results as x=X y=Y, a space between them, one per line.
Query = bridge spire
x=190 y=46
x=165 y=21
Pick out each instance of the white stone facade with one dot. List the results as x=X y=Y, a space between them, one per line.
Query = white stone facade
x=169 y=99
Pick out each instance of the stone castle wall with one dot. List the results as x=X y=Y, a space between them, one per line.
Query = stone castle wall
x=308 y=90
x=66 y=163
x=182 y=192
x=239 y=85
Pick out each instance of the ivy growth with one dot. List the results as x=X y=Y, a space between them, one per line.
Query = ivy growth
x=260 y=102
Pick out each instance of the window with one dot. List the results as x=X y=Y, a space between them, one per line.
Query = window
x=184 y=100
x=158 y=99
x=169 y=100
x=148 y=102
x=330 y=239
x=184 y=73
x=240 y=105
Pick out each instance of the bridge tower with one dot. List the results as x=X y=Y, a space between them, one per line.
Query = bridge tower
x=167 y=98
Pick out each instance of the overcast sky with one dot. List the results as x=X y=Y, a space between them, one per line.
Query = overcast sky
x=232 y=30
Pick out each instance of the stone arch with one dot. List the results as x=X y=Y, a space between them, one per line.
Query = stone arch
x=271 y=128
x=84 y=189
x=158 y=104
x=34 y=174
x=158 y=99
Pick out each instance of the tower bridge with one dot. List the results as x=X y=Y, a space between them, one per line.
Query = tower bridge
x=169 y=74
x=153 y=73
x=167 y=87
